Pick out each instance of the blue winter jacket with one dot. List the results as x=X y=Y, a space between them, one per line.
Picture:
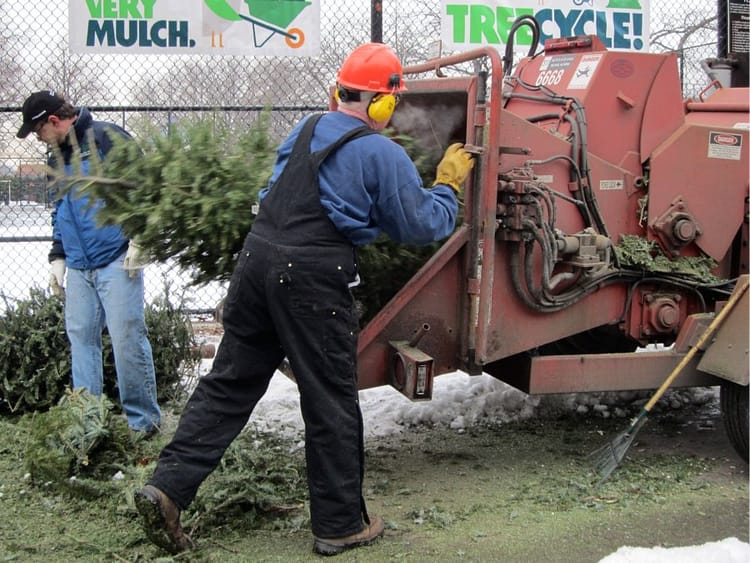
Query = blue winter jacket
x=75 y=233
x=370 y=185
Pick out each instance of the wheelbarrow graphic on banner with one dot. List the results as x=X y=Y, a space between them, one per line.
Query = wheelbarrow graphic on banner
x=268 y=18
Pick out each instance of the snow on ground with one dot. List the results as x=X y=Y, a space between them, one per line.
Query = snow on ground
x=460 y=401
x=730 y=550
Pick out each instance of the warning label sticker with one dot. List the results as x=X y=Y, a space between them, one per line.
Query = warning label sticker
x=611 y=184
x=557 y=62
x=584 y=71
x=727 y=146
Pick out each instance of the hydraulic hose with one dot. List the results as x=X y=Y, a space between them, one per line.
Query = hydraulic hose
x=530 y=21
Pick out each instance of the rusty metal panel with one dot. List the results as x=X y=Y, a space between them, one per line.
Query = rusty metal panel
x=727 y=355
x=597 y=372
x=619 y=207
x=724 y=107
x=474 y=293
x=720 y=177
x=434 y=297
x=664 y=111
x=616 y=88
x=514 y=328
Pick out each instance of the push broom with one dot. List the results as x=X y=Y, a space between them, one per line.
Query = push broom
x=607 y=458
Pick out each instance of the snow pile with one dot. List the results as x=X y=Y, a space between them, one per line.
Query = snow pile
x=730 y=550
x=460 y=401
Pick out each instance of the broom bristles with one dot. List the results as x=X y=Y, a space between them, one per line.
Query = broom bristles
x=608 y=457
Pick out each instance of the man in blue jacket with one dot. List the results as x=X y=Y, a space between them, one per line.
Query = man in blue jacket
x=336 y=185
x=105 y=277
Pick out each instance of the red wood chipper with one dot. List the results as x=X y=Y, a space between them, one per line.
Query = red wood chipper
x=577 y=150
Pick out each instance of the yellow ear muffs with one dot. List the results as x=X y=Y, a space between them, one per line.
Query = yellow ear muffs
x=381 y=107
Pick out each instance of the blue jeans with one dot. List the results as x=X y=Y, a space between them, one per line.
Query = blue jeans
x=109 y=297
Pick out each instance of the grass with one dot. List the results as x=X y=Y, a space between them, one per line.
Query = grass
x=516 y=492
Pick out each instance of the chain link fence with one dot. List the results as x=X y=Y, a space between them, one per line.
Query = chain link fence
x=139 y=90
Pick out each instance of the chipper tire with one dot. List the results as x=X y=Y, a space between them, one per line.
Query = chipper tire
x=734 y=412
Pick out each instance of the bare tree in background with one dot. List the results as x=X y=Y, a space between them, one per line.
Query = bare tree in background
x=692 y=36
x=412 y=28
x=10 y=70
x=77 y=77
x=232 y=81
x=250 y=81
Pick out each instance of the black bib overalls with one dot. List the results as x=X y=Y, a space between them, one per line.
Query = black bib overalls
x=288 y=296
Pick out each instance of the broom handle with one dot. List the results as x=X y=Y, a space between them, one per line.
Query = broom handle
x=708 y=333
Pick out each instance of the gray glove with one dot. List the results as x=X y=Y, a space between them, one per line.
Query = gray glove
x=135 y=259
x=57 y=276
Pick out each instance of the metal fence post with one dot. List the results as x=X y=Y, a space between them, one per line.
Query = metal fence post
x=721 y=43
x=376 y=21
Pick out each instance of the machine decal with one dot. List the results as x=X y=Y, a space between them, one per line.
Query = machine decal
x=584 y=71
x=622 y=68
x=557 y=62
x=611 y=184
x=552 y=69
x=727 y=146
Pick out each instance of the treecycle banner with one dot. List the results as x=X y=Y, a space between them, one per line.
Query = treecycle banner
x=620 y=24
x=214 y=27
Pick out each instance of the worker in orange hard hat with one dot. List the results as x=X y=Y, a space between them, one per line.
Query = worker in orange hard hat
x=336 y=185
x=373 y=73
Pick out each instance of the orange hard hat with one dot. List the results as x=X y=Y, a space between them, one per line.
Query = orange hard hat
x=372 y=67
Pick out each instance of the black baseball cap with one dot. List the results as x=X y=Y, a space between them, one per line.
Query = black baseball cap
x=37 y=108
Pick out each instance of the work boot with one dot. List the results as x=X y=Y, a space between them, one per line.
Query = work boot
x=334 y=546
x=161 y=520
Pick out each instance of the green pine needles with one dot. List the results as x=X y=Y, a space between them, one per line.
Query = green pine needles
x=638 y=253
x=186 y=196
x=35 y=366
x=67 y=439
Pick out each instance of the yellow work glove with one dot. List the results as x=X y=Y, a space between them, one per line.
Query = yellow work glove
x=454 y=168
x=57 y=276
x=135 y=259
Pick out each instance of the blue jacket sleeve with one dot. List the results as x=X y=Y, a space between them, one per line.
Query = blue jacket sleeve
x=403 y=208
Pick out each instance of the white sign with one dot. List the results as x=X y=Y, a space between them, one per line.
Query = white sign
x=214 y=27
x=584 y=71
x=620 y=24
x=727 y=146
